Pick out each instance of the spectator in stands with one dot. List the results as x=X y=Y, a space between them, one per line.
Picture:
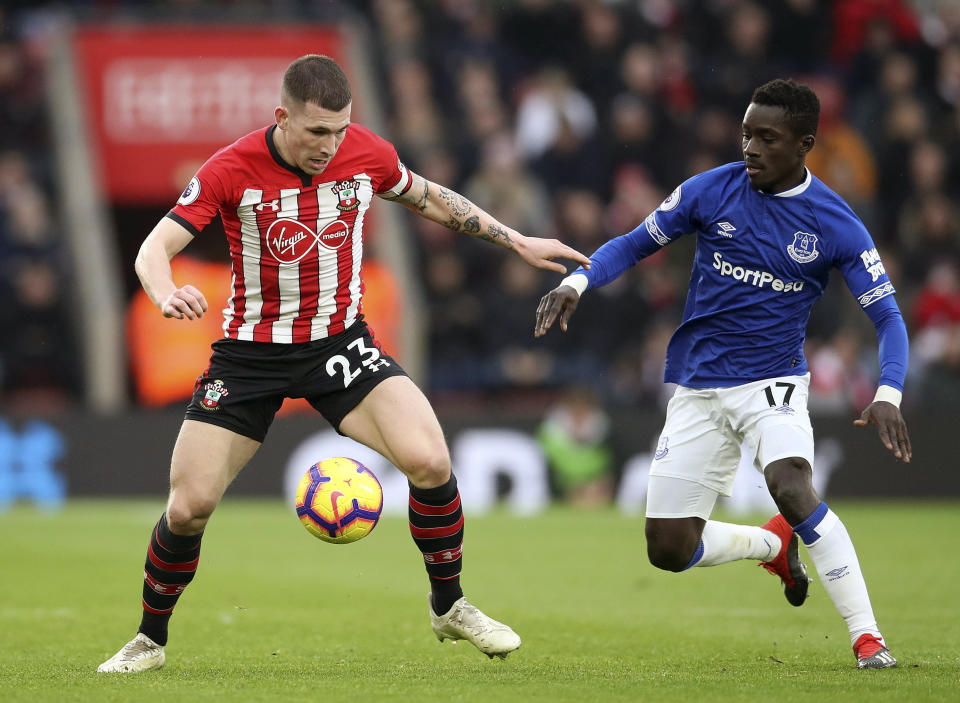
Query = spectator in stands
x=575 y=436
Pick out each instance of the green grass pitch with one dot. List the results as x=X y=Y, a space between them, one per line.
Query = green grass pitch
x=275 y=614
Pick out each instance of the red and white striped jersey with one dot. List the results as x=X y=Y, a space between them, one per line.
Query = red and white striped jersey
x=296 y=240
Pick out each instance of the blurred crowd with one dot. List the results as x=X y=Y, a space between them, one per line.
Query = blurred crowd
x=574 y=119
x=38 y=369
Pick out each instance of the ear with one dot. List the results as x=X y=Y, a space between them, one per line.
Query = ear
x=807 y=143
x=282 y=116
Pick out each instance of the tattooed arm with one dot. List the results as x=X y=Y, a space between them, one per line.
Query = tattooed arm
x=455 y=212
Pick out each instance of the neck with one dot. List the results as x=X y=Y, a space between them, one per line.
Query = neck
x=281 y=143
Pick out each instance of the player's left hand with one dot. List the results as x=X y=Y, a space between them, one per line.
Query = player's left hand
x=561 y=301
x=539 y=252
x=891 y=426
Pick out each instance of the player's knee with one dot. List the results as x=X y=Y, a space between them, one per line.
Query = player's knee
x=666 y=557
x=790 y=482
x=429 y=468
x=669 y=551
x=187 y=515
x=788 y=477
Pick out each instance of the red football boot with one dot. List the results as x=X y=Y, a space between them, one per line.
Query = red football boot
x=872 y=653
x=787 y=564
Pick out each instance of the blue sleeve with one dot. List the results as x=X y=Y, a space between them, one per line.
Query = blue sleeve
x=859 y=262
x=619 y=254
x=675 y=217
x=894 y=346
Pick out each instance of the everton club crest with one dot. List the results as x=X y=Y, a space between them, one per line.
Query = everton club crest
x=804 y=248
x=346 y=192
x=214 y=392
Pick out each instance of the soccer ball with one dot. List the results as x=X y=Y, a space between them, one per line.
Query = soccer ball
x=339 y=500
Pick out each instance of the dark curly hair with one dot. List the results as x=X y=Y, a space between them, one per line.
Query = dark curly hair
x=317 y=79
x=798 y=101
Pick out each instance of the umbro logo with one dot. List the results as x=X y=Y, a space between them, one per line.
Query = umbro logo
x=838 y=573
x=725 y=229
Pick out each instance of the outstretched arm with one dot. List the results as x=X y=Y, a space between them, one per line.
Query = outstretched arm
x=454 y=211
x=166 y=240
x=609 y=261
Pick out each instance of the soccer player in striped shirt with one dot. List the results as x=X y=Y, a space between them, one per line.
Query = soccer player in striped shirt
x=768 y=234
x=293 y=199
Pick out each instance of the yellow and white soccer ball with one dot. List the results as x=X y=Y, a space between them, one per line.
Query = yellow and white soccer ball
x=339 y=500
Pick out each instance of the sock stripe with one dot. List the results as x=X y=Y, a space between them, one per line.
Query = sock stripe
x=444 y=555
x=164 y=589
x=186 y=548
x=433 y=532
x=697 y=556
x=807 y=530
x=170 y=566
x=444 y=578
x=156 y=611
x=424 y=509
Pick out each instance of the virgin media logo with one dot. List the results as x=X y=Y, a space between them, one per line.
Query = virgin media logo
x=290 y=240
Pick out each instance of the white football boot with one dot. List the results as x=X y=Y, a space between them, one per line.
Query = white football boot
x=464 y=622
x=139 y=654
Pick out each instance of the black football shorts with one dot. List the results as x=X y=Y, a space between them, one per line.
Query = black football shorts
x=246 y=382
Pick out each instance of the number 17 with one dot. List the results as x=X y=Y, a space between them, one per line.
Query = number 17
x=786 y=396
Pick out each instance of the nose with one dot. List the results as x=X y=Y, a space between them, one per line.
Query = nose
x=328 y=143
x=749 y=149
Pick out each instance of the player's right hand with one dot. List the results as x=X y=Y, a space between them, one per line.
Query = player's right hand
x=561 y=301
x=186 y=302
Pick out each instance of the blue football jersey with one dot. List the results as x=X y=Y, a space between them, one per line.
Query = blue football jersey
x=761 y=262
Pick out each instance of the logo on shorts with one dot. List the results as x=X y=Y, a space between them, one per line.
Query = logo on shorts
x=215 y=391
x=663 y=448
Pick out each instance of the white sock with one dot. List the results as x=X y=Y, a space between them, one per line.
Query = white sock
x=722 y=542
x=835 y=559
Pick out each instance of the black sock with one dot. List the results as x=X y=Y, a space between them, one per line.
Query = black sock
x=170 y=566
x=436 y=523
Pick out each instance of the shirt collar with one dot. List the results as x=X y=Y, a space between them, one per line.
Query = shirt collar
x=798 y=189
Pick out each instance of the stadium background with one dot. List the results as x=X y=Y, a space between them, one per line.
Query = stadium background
x=569 y=119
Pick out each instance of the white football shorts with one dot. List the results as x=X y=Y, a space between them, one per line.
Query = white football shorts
x=705 y=429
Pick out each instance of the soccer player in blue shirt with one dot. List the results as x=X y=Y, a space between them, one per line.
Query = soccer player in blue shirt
x=768 y=234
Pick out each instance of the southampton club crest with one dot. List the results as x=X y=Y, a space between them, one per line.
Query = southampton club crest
x=215 y=390
x=803 y=250
x=346 y=192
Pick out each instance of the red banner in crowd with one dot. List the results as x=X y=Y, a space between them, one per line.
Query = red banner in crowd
x=161 y=100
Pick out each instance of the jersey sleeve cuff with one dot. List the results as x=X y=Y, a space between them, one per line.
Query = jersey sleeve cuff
x=888 y=394
x=577 y=281
x=183 y=222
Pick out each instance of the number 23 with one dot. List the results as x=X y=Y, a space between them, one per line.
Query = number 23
x=369 y=356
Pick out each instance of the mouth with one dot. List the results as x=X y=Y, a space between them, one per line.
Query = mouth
x=319 y=164
x=753 y=169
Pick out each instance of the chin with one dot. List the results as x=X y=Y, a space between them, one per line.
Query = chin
x=759 y=183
